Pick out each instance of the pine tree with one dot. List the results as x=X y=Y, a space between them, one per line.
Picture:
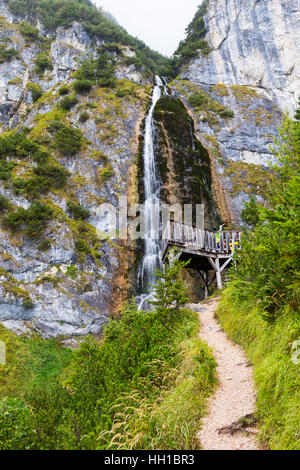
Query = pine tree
x=171 y=293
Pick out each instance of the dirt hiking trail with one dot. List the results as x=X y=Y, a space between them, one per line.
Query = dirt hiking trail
x=234 y=397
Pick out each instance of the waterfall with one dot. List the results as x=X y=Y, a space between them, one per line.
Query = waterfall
x=152 y=248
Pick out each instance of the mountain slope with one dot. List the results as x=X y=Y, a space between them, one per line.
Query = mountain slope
x=71 y=101
x=246 y=59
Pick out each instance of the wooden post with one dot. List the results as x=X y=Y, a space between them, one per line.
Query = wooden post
x=218 y=274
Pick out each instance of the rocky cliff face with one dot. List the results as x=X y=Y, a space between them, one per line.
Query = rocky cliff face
x=252 y=70
x=65 y=281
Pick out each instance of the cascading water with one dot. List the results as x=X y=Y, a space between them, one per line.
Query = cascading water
x=152 y=249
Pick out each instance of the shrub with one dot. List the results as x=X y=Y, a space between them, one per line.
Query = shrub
x=6 y=55
x=54 y=175
x=91 y=105
x=35 y=90
x=82 y=247
x=81 y=86
x=5 y=169
x=64 y=90
x=41 y=156
x=77 y=211
x=43 y=62
x=29 y=31
x=68 y=140
x=196 y=100
x=226 y=114
x=27 y=303
x=84 y=116
x=68 y=102
x=4 y=204
x=32 y=220
x=106 y=173
x=125 y=91
x=16 y=425
x=45 y=245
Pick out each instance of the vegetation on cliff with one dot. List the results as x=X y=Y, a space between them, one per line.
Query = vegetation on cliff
x=260 y=307
x=63 y=13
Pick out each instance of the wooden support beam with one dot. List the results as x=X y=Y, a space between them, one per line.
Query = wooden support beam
x=226 y=264
x=218 y=274
x=204 y=277
x=212 y=262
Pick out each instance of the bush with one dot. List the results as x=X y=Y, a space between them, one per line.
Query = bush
x=5 y=169
x=45 y=245
x=29 y=31
x=41 y=156
x=226 y=114
x=81 y=86
x=77 y=211
x=106 y=173
x=43 y=62
x=35 y=90
x=84 y=116
x=68 y=140
x=32 y=220
x=4 y=204
x=91 y=105
x=6 y=55
x=54 y=175
x=64 y=90
x=16 y=425
x=196 y=100
x=68 y=102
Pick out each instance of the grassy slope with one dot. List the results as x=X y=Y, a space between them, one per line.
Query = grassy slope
x=164 y=415
x=269 y=348
x=30 y=362
x=169 y=417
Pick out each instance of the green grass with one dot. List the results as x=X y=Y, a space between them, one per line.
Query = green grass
x=269 y=348
x=166 y=414
x=30 y=363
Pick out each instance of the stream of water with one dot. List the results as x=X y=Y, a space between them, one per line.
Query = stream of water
x=152 y=247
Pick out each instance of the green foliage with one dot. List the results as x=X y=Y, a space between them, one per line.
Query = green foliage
x=29 y=31
x=6 y=168
x=65 y=12
x=260 y=306
x=16 y=427
x=36 y=91
x=68 y=139
x=269 y=262
x=250 y=213
x=190 y=46
x=139 y=357
x=81 y=86
x=6 y=55
x=171 y=294
x=56 y=176
x=32 y=220
x=77 y=211
x=45 y=245
x=16 y=144
x=84 y=116
x=64 y=90
x=297 y=114
x=68 y=102
x=4 y=204
x=43 y=62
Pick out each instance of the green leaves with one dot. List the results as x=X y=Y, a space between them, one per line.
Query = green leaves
x=270 y=255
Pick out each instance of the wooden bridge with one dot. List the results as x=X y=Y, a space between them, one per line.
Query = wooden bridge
x=207 y=251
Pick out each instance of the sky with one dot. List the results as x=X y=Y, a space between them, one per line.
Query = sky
x=159 y=23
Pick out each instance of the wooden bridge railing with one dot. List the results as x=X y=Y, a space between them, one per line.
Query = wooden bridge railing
x=188 y=236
